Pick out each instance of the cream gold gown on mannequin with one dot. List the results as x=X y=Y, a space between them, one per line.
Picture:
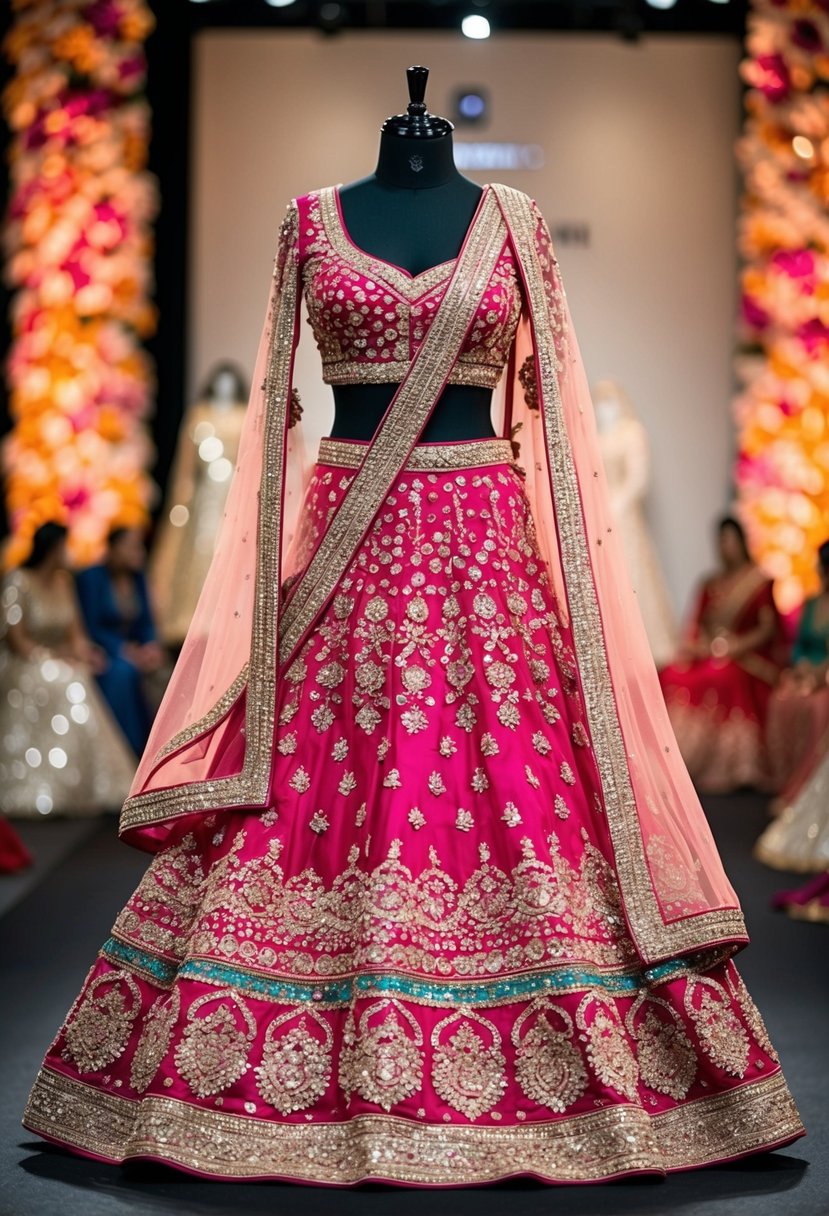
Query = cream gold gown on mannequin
x=625 y=453
x=207 y=449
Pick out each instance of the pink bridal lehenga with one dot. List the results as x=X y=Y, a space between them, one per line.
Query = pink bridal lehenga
x=432 y=898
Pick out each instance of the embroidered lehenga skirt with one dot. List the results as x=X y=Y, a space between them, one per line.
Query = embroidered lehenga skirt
x=414 y=966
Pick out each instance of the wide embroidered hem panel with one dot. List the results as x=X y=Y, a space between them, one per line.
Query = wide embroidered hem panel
x=592 y=1147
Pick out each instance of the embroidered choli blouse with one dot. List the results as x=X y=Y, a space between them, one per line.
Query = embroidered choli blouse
x=370 y=316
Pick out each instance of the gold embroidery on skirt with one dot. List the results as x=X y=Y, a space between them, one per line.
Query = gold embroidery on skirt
x=296 y=1066
x=667 y=1059
x=466 y=1072
x=100 y=1030
x=548 y=1067
x=382 y=1063
x=721 y=1033
x=591 y=1146
x=155 y=1039
x=607 y=1047
x=751 y=1013
x=213 y=1052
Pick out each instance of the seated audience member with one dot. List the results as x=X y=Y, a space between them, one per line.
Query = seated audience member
x=718 y=688
x=117 y=613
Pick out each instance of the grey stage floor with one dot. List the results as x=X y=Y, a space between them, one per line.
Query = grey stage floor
x=50 y=932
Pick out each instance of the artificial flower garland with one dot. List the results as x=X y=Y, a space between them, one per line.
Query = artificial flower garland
x=79 y=246
x=782 y=470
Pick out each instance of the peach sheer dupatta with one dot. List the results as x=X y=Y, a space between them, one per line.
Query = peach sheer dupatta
x=212 y=739
x=676 y=895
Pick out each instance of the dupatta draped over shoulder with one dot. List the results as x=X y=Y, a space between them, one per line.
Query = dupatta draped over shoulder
x=265 y=591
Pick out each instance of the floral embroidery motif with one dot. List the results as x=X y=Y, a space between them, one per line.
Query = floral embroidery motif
x=416 y=818
x=213 y=1050
x=348 y=782
x=667 y=1059
x=468 y=1067
x=511 y=815
x=436 y=784
x=155 y=1039
x=751 y=1014
x=548 y=1067
x=567 y=774
x=464 y=820
x=319 y=822
x=100 y=1029
x=721 y=1033
x=296 y=1065
x=480 y=781
x=532 y=779
x=607 y=1047
x=300 y=781
x=383 y=1062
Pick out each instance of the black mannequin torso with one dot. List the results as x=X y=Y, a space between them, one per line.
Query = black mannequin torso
x=416 y=218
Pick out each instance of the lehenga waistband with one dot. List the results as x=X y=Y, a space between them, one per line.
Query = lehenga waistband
x=425 y=457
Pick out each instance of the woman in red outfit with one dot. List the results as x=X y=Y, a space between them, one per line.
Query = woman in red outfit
x=718 y=689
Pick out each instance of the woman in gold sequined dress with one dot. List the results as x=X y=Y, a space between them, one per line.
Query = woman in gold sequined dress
x=61 y=752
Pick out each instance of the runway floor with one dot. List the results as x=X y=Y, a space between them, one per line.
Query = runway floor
x=50 y=931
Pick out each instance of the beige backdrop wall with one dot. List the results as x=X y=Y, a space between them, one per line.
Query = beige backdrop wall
x=637 y=143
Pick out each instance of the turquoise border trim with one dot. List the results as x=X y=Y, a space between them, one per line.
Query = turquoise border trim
x=150 y=964
x=432 y=992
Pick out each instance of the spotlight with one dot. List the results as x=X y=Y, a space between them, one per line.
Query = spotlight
x=280 y=3
x=475 y=26
x=662 y=4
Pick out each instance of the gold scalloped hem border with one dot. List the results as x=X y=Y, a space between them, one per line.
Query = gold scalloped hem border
x=593 y=1147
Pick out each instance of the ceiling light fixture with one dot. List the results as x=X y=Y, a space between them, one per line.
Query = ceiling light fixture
x=475 y=26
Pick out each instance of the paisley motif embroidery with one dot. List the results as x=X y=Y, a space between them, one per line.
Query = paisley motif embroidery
x=751 y=1013
x=100 y=1030
x=213 y=1051
x=667 y=1059
x=296 y=1065
x=607 y=1047
x=155 y=1039
x=382 y=1062
x=721 y=1032
x=548 y=1067
x=468 y=1067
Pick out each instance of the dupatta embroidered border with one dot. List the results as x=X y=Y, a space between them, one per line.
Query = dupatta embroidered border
x=654 y=937
x=249 y=786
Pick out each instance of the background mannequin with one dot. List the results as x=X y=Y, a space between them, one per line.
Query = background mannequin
x=207 y=448
x=625 y=452
x=413 y=211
